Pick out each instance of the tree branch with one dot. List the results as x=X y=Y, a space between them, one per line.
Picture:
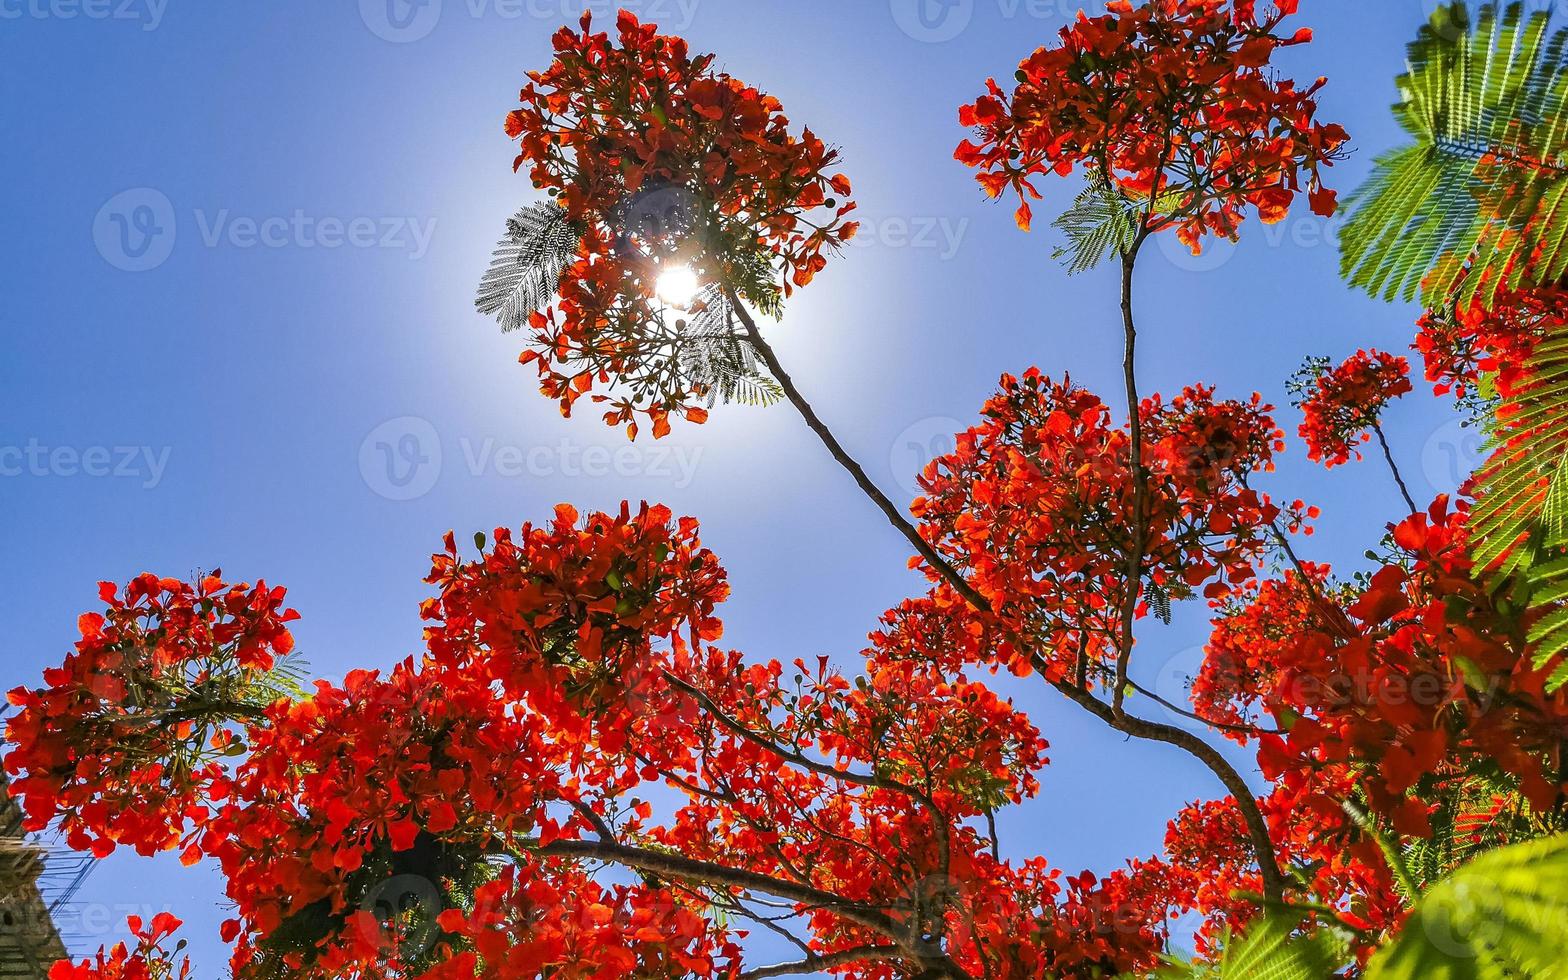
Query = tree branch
x=1388 y=454
x=913 y=949
x=894 y=515
x=1273 y=881
x=816 y=963
x=1257 y=827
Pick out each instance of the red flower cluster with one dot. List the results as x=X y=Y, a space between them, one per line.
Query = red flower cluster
x=1404 y=693
x=124 y=744
x=660 y=161
x=561 y=922
x=1170 y=100
x=1036 y=508
x=148 y=961
x=1460 y=345
x=440 y=822
x=1344 y=404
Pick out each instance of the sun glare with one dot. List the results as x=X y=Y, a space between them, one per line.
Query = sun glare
x=678 y=286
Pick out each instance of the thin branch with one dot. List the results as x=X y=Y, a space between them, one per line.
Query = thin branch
x=1273 y=881
x=1140 y=505
x=1388 y=454
x=918 y=953
x=789 y=755
x=894 y=515
x=1253 y=730
x=816 y=963
x=1257 y=826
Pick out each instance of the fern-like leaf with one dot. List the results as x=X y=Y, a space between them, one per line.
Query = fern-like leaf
x=1502 y=916
x=1100 y=223
x=1486 y=180
x=526 y=266
x=1271 y=949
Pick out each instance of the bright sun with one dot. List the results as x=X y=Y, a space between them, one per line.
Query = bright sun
x=678 y=286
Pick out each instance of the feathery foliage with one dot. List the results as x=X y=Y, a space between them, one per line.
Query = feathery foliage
x=1503 y=915
x=1270 y=949
x=1476 y=208
x=1520 y=518
x=526 y=267
x=1101 y=222
x=709 y=349
x=1485 y=182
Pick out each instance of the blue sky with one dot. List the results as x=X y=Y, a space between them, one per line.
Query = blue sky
x=241 y=251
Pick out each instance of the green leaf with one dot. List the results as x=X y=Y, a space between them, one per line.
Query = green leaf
x=1485 y=180
x=1271 y=949
x=1101 y=222
x=527 y=264
x=1503 y=915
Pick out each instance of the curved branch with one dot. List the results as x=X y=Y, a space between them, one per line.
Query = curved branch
x=1252 y=815
x=912 y=949
x=1273 y=881
x=894 y=514
x=816 y=963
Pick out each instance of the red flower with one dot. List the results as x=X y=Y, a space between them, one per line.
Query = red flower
x=660 y=160
x=1343 y=404
x=124 y=742
x=1171 y=102
x=148 y=961
x=1036 y=508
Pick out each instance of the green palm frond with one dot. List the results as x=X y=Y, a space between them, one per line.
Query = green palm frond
x=1502 y=916
x=1486 y=180
x=1271 y=949
x=1476 y=207
x=526 y=266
